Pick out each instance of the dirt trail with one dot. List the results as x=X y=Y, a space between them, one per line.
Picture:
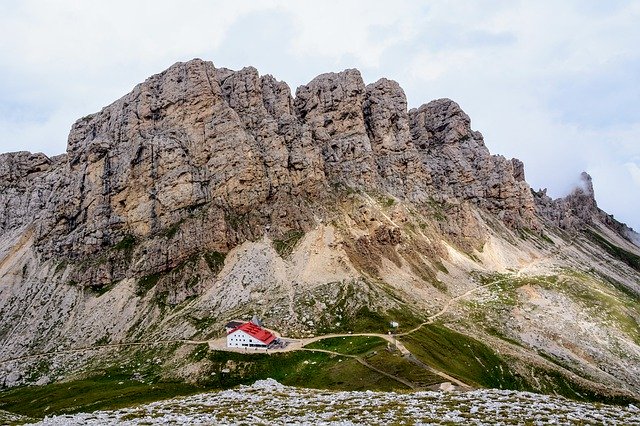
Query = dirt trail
x=407 y=383
x=448 y=305
x=297 y=344
x=105 y=346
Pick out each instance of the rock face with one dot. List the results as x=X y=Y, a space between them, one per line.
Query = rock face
x=462 y=167
x=219 y=155
x=239 y=150
x=579 y=210
x=26 y=184
x=330 y=106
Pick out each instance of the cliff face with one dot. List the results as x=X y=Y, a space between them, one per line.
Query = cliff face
x=236 y=147
x=207 y=193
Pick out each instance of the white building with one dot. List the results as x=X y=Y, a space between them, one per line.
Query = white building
x=249 y=335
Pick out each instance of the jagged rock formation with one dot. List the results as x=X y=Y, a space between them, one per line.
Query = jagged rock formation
x=216 y=192
x=234 y=144
x=579 y=210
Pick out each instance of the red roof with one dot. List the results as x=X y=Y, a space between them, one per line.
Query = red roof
x=257 y=332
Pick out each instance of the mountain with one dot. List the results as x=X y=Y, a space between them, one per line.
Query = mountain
x=207 y=194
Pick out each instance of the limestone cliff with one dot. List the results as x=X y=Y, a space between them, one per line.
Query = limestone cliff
x=236 y=147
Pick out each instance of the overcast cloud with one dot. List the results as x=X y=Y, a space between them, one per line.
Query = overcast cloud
x=556 y=84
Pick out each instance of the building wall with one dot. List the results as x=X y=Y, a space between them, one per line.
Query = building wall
x=240 y=339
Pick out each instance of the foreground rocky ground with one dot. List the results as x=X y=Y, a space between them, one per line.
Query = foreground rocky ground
x=268 y=402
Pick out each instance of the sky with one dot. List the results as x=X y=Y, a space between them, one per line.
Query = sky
x=556 y=84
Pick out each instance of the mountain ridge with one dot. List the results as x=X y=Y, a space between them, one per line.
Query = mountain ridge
x=206 y=193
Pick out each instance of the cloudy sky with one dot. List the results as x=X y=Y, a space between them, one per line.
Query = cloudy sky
x=554 y=83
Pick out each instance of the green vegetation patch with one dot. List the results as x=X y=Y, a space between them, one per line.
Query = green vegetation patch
x=215 y=260
x=108 y=390
x=619 y=253
x=171 y=231
x=285 y=246
x=554 y=383
x=147 y=282
x=300 y=368
x=437 y=210
x=526 y=233
x=384 y=200
x=60 y=266
x=127 y=243
x=137 y=378
x=395 y=364
x=476 y=364
x=350 y=307
x=354 y=345
x=102 y=289
x=462 y=357
x=364 y=320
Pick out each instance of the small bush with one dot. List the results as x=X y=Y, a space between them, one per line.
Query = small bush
x=285 y=246
x=127 y=243
x=215 y=260
x=147 y=282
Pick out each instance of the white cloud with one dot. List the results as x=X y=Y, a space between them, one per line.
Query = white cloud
x=634 y=171
x=362 y=30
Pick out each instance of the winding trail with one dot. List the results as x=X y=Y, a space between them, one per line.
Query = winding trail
x=407 y=383
x=448 y=305
x=299 y=344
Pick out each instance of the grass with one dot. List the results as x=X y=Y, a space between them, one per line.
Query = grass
x=394 y=363
x=199 y=353
x=127 y=243
x=102 y=289
x=356 y=345
x=201 y=323
x=554 y=383
x=285 y=246
x=619 y=253
x=60 y=266
x=110 y=389
x=126 y=246
x=526 y=233
x=236 y=221
x=171 y=231
x=462 y=357
x=350 y=307
x=375 y=351
x=383 y=199
x=437 y=210
x=364 y=320
x=137 y=380
x=579 y=286
x=215 y=260
x=147 y=282
x=301 y=368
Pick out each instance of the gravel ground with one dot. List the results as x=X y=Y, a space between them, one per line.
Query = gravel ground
x=268 y=402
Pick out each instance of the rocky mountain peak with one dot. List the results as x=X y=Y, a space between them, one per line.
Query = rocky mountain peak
x=235 y=144
x=585 y=187
x=579 y=210
x=445 y=123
